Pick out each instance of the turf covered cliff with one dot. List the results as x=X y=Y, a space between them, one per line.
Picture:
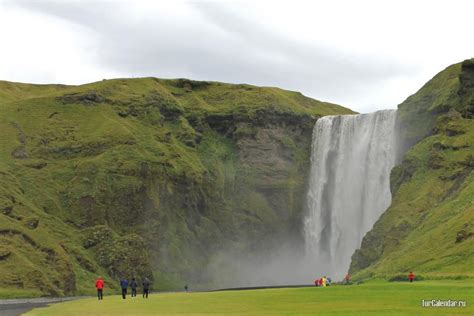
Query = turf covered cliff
x=156 y=177
x=146 y=177
x=429 y=227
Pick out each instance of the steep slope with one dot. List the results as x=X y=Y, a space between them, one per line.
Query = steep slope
x=429 y=227
x=146 y=177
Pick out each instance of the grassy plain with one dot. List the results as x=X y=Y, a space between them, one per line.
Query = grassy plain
x=372 y=298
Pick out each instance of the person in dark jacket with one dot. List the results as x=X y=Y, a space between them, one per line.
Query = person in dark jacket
x=146 y=287
x=133 y=286
x=124 y=286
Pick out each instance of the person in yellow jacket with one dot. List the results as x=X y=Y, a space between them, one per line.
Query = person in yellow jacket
x=325 y=280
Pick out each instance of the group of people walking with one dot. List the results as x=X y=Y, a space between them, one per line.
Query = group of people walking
x=324 y=281
x=124 y=285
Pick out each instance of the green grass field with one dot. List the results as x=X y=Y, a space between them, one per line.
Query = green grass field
x=374 y=298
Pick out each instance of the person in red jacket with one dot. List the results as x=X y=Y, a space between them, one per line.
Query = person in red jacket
x=99 y=285
x=411 y=276
x=347 y=278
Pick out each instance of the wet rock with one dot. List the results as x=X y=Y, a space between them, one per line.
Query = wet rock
x=126 y=256
x=402 y=173
x=85 y=263
x=37 y=165
x=32 y=223
x=189 y=85
x=97 y=235
x=4 y=253
x=436 y=160
x=7 y=210
x=464 y=234
x=20 y=153
x=89 y=98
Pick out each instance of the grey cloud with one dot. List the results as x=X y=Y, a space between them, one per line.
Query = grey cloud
x=220 y=44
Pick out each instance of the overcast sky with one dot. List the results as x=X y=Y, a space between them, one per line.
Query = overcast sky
x=366 y=55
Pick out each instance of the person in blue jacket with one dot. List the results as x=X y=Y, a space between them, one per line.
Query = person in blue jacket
x=124 y=286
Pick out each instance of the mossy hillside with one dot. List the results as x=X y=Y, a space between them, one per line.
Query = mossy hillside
x=452 y=88
x=11 y=91
x=134 y=176
x=430 y=224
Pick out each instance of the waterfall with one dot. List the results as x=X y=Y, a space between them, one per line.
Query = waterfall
x=349 y=188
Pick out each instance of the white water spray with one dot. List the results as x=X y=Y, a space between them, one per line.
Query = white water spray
x=351 y=160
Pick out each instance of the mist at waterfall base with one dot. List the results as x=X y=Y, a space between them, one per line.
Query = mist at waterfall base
x=348 y=190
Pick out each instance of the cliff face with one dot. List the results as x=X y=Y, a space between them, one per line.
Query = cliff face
x=429 y=227
x=146 y=177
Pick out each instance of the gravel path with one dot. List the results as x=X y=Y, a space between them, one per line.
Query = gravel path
x=15 y=307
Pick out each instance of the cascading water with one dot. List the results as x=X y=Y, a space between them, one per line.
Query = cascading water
x=351 y=160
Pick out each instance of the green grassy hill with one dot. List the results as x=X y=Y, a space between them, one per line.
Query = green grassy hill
x=146 y=177
x=429 y=228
